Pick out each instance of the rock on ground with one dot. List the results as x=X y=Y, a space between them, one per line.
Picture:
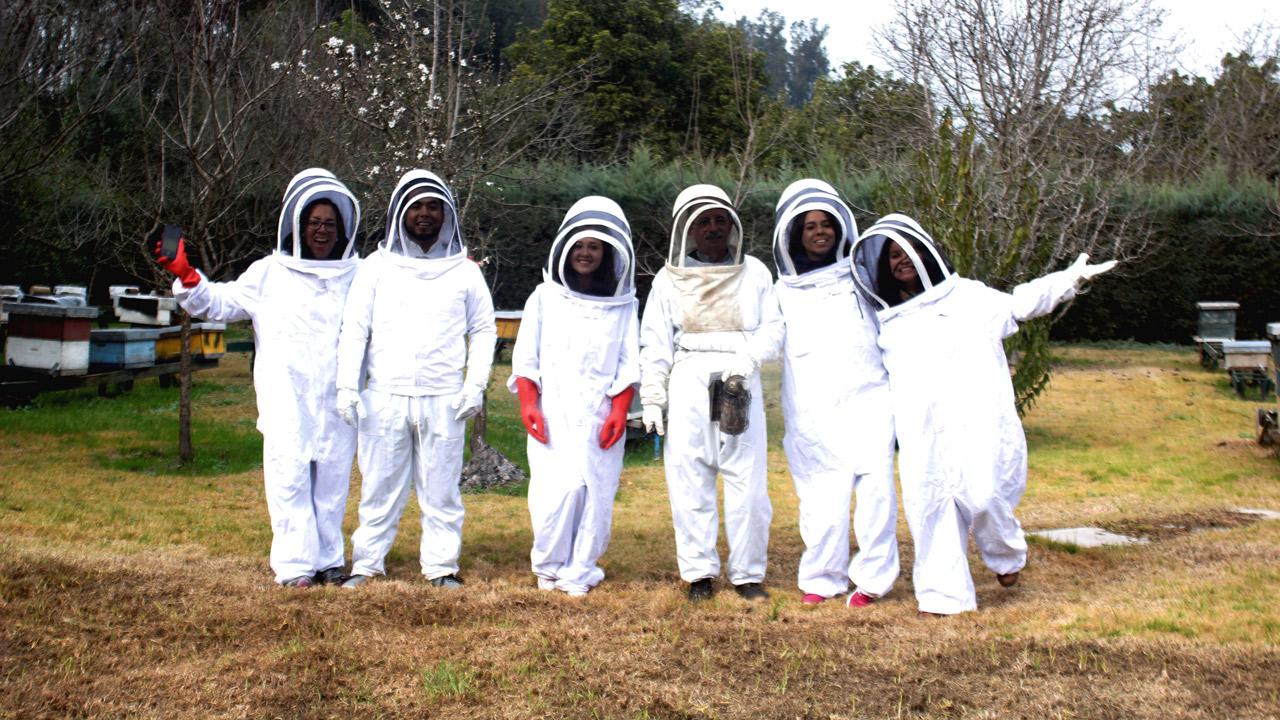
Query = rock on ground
x=489 y=468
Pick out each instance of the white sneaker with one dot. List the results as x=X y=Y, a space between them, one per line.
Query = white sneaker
x=355 y=581
x=546 y=584
x=576 y=593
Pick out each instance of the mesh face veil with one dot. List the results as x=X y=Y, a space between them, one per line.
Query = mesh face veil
x=689 y=205
x=599 y=218
x=418 y=185
x=305 y=188
x=870 y=259
x=796 y=201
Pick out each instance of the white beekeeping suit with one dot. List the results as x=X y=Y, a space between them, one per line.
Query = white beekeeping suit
x=835 y=400
x=578 y=346
x=962 y=453
x=296 y=308
x=708 y=317
x=409 y=316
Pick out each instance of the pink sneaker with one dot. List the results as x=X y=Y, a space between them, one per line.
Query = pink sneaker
x=858 y=599
x=812 y=599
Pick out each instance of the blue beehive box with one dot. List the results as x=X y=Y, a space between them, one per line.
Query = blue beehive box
x=123 y=348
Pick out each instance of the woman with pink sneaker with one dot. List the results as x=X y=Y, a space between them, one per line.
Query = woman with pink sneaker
x=835 y=402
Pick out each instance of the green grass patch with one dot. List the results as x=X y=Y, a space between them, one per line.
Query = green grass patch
x=447 y=680
x=136 y=432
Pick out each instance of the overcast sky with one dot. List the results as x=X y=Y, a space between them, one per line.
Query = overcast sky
x=1208 y=28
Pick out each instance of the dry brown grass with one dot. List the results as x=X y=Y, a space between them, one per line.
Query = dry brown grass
x=148 y=596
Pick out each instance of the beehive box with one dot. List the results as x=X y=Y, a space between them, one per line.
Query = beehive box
x=123 y=348
x=1245 y=354
x=49 y=337
x=208 y=341
x=508 y=323
x=1217 y=320
x=131 y=306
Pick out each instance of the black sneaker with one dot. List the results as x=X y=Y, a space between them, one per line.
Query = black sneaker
x=700 y=590
x=449 y=582
x=751 y=591
x=332 y=576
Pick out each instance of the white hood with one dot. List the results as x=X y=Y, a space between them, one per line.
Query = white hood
x=600 y=218
x=799 y=198
x=691 y=203
x=418 y=185
x=306 y=187
x=870 y=260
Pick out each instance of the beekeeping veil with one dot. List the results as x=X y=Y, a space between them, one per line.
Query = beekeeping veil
x=418 y=185
x=871 y=260
x=600 y=218
x=305 y=188
x=799 y=198
x=707 y=294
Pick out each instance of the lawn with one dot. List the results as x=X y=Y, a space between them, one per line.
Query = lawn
x=131 y=589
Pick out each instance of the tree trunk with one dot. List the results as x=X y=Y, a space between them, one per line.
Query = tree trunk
x=480 y=428
x=185 y=452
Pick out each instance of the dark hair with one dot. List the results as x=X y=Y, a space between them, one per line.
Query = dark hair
x=340 y=247
x=602 y=282
x=795 y=247
x=888 y=287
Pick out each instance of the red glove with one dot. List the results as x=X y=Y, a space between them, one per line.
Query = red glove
x=530 y=414
x=615 y=426
x=179 y=265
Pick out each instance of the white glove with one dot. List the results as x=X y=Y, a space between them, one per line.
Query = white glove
x=349 y=408
x=652 y=419
x=739 y=364
x=467 y=403
x=1084 y=271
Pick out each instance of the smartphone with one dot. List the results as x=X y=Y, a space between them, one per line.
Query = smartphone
x=168 y=237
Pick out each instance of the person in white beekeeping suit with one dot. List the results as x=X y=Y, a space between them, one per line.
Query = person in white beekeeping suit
x=412 y=309
x=962 y=454
x=575 y=366
x=835 y=401
x=711 y=315
x=294 y=298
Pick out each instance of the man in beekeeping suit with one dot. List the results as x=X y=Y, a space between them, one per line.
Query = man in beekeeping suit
x=294 y=298
x=407 y=380
x=835 y=401
x=711 y=315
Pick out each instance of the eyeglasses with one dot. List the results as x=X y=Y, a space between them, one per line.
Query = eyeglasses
x=314 y=224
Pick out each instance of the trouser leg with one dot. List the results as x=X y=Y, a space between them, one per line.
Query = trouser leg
x=747 y=511
x=437 y=471
x=287 y=485
x=824 y=528
x=385 y=455
x=875 y=567
x=332 y=472
x=594 y=523
x=998 y=535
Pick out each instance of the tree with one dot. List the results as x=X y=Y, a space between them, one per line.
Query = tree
x=658 y=76
x=1033 y=172
x=212 y=98
x=808 y=61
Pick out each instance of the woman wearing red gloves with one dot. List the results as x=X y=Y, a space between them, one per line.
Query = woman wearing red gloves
x=575 y=366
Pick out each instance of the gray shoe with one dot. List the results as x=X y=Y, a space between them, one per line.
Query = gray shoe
x=751 y=591
x=301 y=582
x=332 y=576
x=356 y=581
x=449 y=582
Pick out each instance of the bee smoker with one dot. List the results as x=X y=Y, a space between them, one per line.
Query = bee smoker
x=730 y=403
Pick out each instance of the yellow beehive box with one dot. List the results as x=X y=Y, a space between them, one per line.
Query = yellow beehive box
x=208 y=341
